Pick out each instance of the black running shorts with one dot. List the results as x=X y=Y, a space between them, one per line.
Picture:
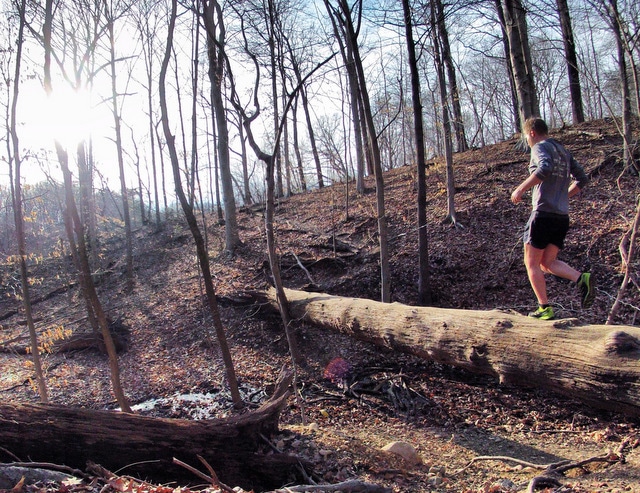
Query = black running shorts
x=544 y=228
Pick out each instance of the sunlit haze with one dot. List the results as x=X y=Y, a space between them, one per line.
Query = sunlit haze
x=67 y=116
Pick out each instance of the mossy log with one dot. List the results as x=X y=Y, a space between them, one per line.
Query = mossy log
x=598 y=364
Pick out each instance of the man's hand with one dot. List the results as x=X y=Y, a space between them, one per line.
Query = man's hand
x=516 y=195
x=529 y=183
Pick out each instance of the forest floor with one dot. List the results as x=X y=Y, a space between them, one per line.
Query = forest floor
x=448 y=415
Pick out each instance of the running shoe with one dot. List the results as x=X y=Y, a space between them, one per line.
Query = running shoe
x=543 y=313
x=587 y=290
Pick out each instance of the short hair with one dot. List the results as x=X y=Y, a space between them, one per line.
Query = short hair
x=536 y=124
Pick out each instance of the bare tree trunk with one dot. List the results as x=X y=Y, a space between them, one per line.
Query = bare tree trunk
x=270 y=22
x=510 y=71
x=424 y=288
x=372 y=142
x=358 y=132
x=195 y=160
x=354 y=94
x=165 y=200
x=16 y=189
x=283 y=304
x=203 y=256
x=572 y=61
x=87 y=201
x=118 y=130
x=152 y=144
x=454 y=92
x=446 y=119
x=268 y=160
x=143 y=211
x=627 y=133
x=245 y=172
x=285 y=144
x=312 y=138
x=310 y=131
x=519 y=52
x=635 y=73
x=216 y=172
x=296 y=146
x=146 y=32
x=216 y=33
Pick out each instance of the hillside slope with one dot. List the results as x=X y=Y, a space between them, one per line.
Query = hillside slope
x=450 y=416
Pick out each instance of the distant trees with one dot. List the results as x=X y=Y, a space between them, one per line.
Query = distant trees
x=344 y=25
x=477 y=71
x=147 y=21
x=613 y=16
x=476 y=76
x=110 y=16
x=15 y=172
x=201 y=250
x=440 y=46
x=75 y=229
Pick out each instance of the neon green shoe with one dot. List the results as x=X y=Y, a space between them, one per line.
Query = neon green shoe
x=586 y=286
x=543 y=313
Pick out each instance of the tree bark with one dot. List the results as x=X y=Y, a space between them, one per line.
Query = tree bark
x=424 y=284
x=515 y=27
x=146 y=446
x=110 y=18
x=510 y=71
x=446 y=117
x=21 y=258
x=454 y=93
x=597 y=364
x=627 y=134
x=216 y=34
x=572 y=61
x=296 y=145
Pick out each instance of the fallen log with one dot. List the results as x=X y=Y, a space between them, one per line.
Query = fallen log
x=598 y=364
x=145 y=447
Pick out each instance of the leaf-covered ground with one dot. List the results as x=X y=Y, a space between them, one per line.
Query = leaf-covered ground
x=448 y=415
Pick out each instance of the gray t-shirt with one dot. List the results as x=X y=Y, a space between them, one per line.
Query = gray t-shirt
x=557 y=168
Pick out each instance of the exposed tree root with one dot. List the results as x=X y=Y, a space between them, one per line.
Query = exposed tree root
x=551 y=471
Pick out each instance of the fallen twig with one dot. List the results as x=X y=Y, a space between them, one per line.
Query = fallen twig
x=212 y=480
x=562 y=467
x=301 y=265
x=550 y=470
x=501 y=458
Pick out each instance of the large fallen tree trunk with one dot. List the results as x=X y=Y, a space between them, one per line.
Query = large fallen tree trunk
x=145 y=447
x=598 y=364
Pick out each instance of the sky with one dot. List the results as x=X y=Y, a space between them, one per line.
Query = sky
x=69 y=117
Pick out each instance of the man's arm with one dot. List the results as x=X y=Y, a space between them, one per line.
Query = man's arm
x=529 y=183
x=574 y=189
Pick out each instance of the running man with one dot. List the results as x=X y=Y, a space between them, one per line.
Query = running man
x=554 y=177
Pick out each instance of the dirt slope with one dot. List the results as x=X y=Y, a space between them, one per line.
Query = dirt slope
x=448 y=415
